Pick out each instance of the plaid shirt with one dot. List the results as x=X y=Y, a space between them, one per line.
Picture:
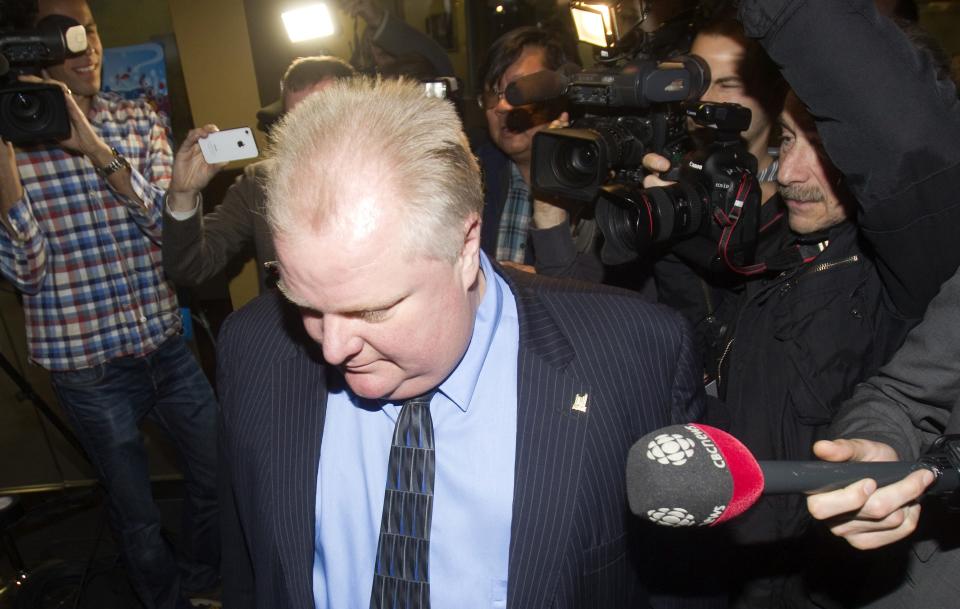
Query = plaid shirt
x=515 y=220
x=86 y=258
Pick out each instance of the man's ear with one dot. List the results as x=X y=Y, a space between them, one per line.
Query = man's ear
x=470 y=251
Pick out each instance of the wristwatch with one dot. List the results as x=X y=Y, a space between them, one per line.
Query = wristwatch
x=118 y=163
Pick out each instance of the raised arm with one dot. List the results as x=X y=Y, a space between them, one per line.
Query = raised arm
x=886 y=122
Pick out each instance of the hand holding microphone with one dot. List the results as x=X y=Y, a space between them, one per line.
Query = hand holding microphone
x=686 y=475
x=866 y=515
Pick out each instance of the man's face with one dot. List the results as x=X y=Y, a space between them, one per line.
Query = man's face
x=807 y=178
x=395 y=326
x=81 y=74
x=292 y=98
x=725 y=55
x=518 y=146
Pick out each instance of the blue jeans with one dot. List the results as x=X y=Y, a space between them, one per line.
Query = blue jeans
x=105 y=406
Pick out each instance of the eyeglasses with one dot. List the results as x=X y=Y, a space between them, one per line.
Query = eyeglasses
x=489 y=98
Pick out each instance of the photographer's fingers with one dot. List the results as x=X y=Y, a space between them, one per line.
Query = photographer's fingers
x=655 y=162
x=561 y=122
x=194 y=135
x=191 y=172
x=83 y=138
x=11 y=190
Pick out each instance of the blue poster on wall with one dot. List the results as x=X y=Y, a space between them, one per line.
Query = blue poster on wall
x=138 y=71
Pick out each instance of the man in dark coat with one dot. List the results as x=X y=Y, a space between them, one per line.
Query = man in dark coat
x=869 y=178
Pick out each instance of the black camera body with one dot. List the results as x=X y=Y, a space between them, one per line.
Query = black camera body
x=630 y=111
x=710 y=217
x=32 y=112
x=640 y=101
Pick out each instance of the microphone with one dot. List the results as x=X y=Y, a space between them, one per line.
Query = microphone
x=686 y=475
x=541 y=86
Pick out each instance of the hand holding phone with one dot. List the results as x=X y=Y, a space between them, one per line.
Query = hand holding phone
x=229 y=145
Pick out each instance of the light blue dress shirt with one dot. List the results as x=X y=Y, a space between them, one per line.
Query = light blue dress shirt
x=475 y=432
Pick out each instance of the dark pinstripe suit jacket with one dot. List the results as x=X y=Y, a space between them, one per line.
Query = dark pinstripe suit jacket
x=573 y=541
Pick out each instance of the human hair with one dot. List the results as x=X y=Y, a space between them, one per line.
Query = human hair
x=383 y=134
x=304 y=72
x=508 y=48
x=761 y=76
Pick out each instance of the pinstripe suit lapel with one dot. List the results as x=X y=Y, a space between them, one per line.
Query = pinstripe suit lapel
x=550 y=444
x=298 y=415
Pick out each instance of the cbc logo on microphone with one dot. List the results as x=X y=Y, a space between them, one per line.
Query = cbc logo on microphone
x=671 y=517
x=670 y=448
x=679 y=517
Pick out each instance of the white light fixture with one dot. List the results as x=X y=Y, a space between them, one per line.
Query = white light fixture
x=308 y=22
x=596 y=23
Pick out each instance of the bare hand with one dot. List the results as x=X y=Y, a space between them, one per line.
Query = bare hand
x=191 y=172
x=868 y=517
x=655 y=165
x=561 y=122
x=11 y=190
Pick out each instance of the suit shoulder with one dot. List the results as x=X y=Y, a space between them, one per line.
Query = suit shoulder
x=602 y=323
x=610 y=305
x=265 y=320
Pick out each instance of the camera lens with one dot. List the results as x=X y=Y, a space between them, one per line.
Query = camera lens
x=31 y=113
x=27 y=111
x=576 y=163
x=25 y=107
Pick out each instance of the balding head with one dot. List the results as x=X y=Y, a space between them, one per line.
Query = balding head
x=349 y=152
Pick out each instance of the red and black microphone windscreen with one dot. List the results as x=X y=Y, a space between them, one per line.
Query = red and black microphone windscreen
x=691 y=475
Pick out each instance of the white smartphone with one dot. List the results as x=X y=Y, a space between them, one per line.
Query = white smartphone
x=229 y=145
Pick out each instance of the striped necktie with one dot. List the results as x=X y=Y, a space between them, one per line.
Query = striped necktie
x=401 y=575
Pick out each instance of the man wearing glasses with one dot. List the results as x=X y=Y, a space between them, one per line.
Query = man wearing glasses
x=517 y=230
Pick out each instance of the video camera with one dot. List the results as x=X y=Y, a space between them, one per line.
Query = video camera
x=639 y=101
x=709 y=217
x=629 y=115
x=32 y=112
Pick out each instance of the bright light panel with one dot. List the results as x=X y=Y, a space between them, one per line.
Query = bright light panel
x=589 y=27
x=308 y=22
x=594 y=23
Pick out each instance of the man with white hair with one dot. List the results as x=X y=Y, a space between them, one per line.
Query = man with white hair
x=406 y=421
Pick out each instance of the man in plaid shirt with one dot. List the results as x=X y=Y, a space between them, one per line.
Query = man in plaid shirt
x=80 y=238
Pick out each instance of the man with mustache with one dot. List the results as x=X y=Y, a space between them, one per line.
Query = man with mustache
x=867 y=179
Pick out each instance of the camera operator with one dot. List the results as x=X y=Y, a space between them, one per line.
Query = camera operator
x=80 y=239
x=517 y=229
x=884 y=156
x=740 y=73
